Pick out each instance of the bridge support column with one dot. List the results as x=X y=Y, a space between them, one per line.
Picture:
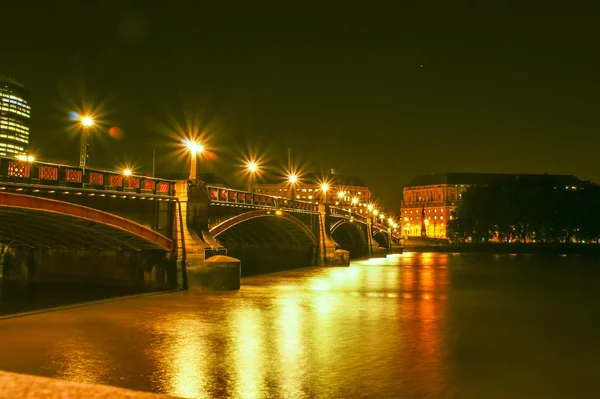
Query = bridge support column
x=329 y=254
x=219 y=273
x=193 y=244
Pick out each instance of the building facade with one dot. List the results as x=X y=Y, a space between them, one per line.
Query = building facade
x=15 y=114
x=429 y=200
x=347 y=192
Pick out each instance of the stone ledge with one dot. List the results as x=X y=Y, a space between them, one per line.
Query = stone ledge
x=30 y=387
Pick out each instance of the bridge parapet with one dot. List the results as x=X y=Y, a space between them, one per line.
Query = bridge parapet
x=339 y=212
x=14 y=172
x=228 y=196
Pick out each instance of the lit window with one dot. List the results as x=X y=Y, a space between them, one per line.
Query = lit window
x=441 y=218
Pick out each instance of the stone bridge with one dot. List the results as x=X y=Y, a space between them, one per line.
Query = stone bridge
x=61 y=222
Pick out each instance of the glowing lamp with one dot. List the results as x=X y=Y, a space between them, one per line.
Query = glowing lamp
x=252 y=166
x=87 y=121
x=194 y=147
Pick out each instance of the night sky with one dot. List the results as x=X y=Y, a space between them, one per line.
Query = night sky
x=383 y=97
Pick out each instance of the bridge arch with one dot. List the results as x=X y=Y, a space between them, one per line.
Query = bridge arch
x=381 y=237
x=267 y=239
x=41 y=222
x=350 y=236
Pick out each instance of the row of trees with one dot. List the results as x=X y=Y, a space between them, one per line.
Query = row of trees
x=527 y=210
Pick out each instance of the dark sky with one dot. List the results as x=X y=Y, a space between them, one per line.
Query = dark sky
x=385 y=97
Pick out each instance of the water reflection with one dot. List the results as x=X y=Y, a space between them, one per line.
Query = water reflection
x=416 y=325
x=247 y=353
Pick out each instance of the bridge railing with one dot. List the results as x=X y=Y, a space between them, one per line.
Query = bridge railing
x=13 y=170
x=335 y=211
x=230 y=196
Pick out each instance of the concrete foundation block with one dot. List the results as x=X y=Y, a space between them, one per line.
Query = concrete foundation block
x=219 y=273
x=340 y=257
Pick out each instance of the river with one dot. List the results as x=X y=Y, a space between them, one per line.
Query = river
x=413 y=326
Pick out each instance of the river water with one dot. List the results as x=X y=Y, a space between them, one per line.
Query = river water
x=412 y=326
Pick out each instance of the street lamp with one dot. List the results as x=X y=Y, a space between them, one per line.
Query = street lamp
x=341 y=195
x=324 y=188
x=86 y=123
x=195 y=148
x=26 y=158
x=292 y=179
x=252 y=168
x=370 y=208
x=127 y=172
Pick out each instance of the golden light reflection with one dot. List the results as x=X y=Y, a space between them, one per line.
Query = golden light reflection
x=290 y=345
x=185 y=358
x=320 y=284
x=248 y=356
x=81 y=361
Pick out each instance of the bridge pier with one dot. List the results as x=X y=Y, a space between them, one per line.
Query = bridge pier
x=330 y=253
x=202 y=260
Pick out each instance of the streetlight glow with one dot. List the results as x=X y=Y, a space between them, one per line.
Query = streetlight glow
x=341 y=194
x=292 y=178
x=324 y=187
x=355 y=200
x=127 y=172
x=375 y=212
x=194 y=147
x=252 y=166
x=87 y=121
x=370 y=207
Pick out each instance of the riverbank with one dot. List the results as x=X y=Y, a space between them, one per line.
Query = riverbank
x=511 y=248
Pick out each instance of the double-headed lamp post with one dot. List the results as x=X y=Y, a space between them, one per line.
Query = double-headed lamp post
x=252 y=168
x=86 y=123
x=195 y=148
x=324 y=189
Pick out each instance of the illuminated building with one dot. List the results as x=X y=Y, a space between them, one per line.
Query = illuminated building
x=343 y=191
x=429 y=200
x=15 y=113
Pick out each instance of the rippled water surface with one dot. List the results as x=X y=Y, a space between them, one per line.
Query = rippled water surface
x=414 y=326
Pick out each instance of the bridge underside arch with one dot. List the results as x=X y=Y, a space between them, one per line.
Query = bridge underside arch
x=350 y=237
x=381 y=238
x=266 y=242
x=41 y=222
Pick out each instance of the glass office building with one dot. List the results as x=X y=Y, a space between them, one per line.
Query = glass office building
x=15 y=114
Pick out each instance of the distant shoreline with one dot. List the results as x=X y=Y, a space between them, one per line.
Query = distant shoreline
x=506 y=248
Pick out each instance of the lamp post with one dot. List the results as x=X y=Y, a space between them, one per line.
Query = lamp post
x=86 y=123
x=252 y=168
x=341 y=195
x=195 y=149
x=292 y=179
x=324 y=189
